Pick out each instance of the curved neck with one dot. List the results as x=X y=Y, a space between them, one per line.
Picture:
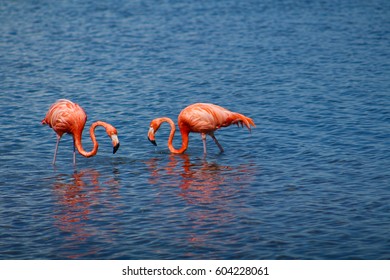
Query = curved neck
x=78 y=144
x=184 y=138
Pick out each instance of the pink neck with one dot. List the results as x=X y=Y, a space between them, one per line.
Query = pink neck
x=184 y=138
x=78 y=144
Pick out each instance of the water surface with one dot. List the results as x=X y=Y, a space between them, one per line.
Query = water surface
x=311 y=181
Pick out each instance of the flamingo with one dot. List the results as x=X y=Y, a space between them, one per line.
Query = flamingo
x=64 y=116
x=203 y=118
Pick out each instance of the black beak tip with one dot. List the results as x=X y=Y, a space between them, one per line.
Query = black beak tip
x=116 y=147
x=152 y=141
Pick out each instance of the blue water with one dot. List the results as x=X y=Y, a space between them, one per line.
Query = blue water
x=311 y=181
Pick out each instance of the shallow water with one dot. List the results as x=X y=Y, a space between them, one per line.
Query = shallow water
x=311 y=181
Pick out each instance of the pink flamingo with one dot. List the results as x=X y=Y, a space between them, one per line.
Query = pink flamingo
x=203 y=118
x=64 y=116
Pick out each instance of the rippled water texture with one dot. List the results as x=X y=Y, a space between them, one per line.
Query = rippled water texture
x=311 y=181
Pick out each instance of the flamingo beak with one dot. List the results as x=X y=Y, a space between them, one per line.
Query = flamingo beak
x=115 y=143
x=151 y=136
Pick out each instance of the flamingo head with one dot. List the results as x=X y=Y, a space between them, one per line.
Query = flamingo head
x=154 y=126
x=112 y=132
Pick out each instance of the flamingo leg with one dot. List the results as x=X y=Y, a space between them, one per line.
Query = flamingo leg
x=56 y=149
x=204 y=143
x=216 y=142
x=74 y=153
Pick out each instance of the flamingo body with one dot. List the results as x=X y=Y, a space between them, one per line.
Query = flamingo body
x=64 y=116
x=203 y=118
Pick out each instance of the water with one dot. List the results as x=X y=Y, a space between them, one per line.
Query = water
x=311 y=181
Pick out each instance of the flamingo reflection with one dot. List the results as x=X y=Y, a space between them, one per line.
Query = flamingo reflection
x=212 y=189
x=199 y=181
x=76 y=198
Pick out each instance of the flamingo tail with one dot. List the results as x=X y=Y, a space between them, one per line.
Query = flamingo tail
x=242 y=120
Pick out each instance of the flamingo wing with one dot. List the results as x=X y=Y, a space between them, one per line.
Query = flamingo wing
x=64 y=116
x=206 y=118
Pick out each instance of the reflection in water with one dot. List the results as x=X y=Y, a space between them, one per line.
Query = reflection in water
x=78 y=198
x=200 y=182
x=213 y=192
